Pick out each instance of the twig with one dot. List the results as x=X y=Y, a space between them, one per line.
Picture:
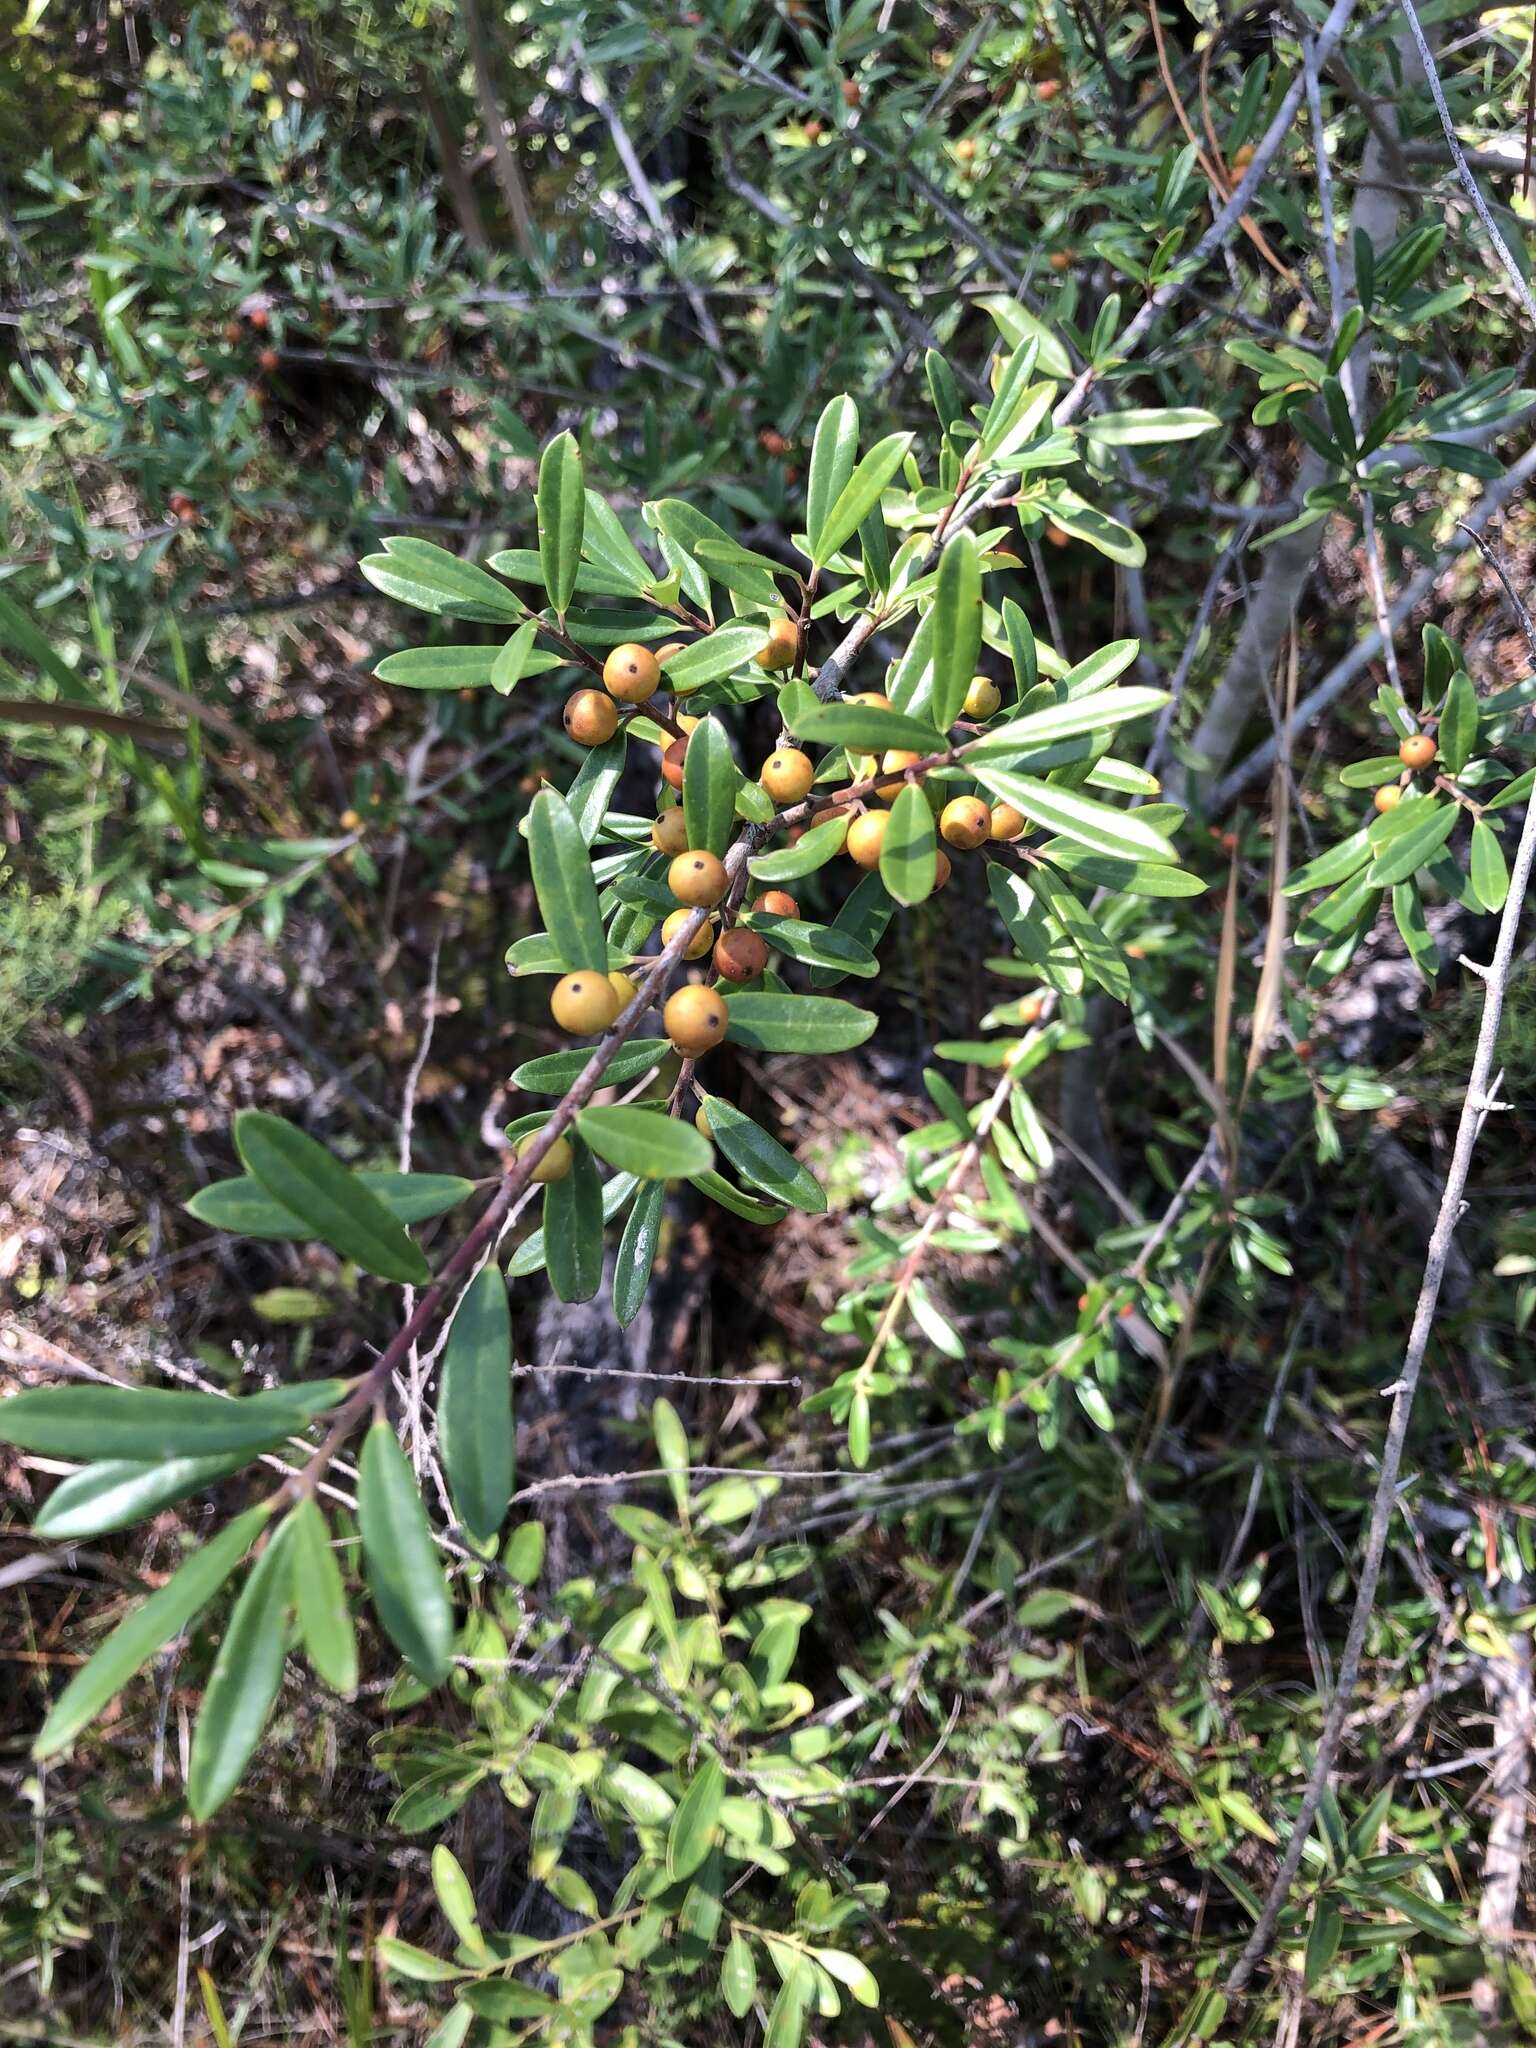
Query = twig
x=1477 y=1104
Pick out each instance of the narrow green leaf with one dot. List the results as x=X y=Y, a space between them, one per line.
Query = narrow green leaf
x=1490 y=875
x=1406 y=851
x=592 y=790
x=400 y=1559
x=144 y=1424
x=474 y=1409
x=553 y=1072
x=516 y=659
x=819 y=945
x=686 y=526
x=1458 y=723
x=909 y=851
x=419 y=573
x=861 y=921
x=696 y=1821
x=786 y=2018
x=325 y=1620
x=529 y=1256
x=645 y=1142
x=738 y=1976
x=118 y=1492
x=759 y=1158
x=1120 y=834
x=710 y=781
x=573 y=1229
x=786 y=1023
x=833 y=453
x=1136 y=427
x=561 y=504
x=563 y=883
x=1105 y=535
x=301 y=1176
x=637 y=1251
x=746 y=1206
x=1100 y=712
x=605 y=542
x=463 y=668
x=147 y=1629
x=813 y=850
x=1323 y=1938
x=243 y=1207
x=860 y=495
x=404 y=1959
x=957 y=615
x=710 y=659
x=456 y=1899
x=869 y=727
x=672 y=1449
x=242 y=1687
x=1408 y=914
x=1336 y=865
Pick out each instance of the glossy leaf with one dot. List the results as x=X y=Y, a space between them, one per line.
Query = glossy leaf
x=957 y=615
x=465 y=668
x=563 y=883
x=759 y=1157
x=399 y=1558
x=645 y=1142
x=419 y=573
x=738 y=1976
x=909 y=851
x=244 y=1208
x=147 y=1628
x=1100 y=712
x=118 y=1492
x=784 y=1023
x=860 y=495
x=573 y=1229
x=302 y=1176
x=710 y=781
x=834 y=451
x=696 y=1821
x=1406 y=851
x=553 y=1072
x=637 y=1251
x=814 y=849
x=1457 y=735
x=529 y=1256
x=746 y=1206
x=243 y=1685
x=474 y=1408
x=1120 y=834
x=142 y=1424
x=561 y=504
x=710 y=659
x=867 y=726
x=1490 y=874
x=819 y=945
x=320 y=1601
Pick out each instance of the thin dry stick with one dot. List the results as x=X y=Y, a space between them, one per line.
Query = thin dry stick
x=1479 y=1101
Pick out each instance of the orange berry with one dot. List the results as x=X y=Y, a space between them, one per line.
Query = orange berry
x=876 y=697
x=772 y=442
x=1055 y=536
x=813 y=128
x=1242 y=157
x=556 y=1163
x=583 y=1003
x=695 y=1019
x=182 y=507
x=965 y=822
x=631 y=673
x=965 y=149
x=1030 y=1008
x=590 y=718
x=866 y=836
x=669 y=832
x=1388 y=797
x=665 y=652
x=740 y=955
x=623 y=987
x=1304 y=1049
x=1047 y=89
x=942 y=870
x=1417 y=751
x=259 y=318
x=698 y=945
x=851 y=91
x=781 y=646
x=787 y=775
x=672 y=763
x=268 y=360
x=1060 y=259
x=350 y=821
x=982 y=698
x=233 y=331
x=687 y=722
x=698 y=878
x=1007 y=823
x=776 y=903
x=896 y=760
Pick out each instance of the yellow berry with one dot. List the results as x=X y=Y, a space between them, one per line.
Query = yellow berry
x=866 y=836
x=781 y=646
x=982 y=698
x=556 y=1163
x=965 y=821
x=590 y=718
x=669 y=833
x=623 y=987
x=787 y=775
x=695 y=1019
x=698 y=878
x=1008 y=823
x=1388 y=797
x=698 y=945
x=701 y=1122
x=896 y=760
x=776 y=903
x=1417 y=751
x=941 y=867
x=876 y=697
x=631 y=673
x=350 y=820
x=583 y=1003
